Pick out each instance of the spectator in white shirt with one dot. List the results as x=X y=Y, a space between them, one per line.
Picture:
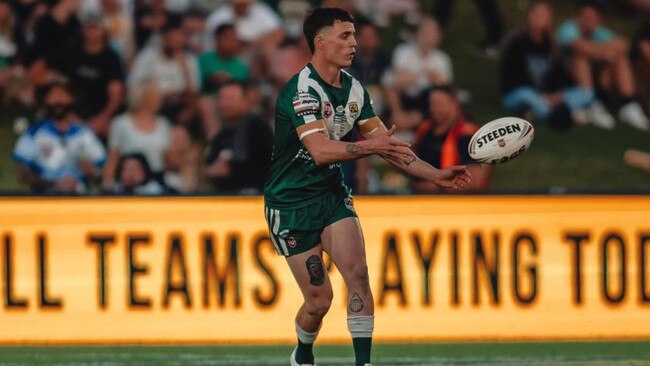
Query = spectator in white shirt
x=416 y=66
x=175 y=71
x=143 y=131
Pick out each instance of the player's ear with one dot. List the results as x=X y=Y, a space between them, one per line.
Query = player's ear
x=319 y=41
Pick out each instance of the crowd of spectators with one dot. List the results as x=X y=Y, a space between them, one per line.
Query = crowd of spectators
x=177 y=96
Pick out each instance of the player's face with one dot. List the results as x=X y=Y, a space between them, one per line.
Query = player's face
x=338 y=44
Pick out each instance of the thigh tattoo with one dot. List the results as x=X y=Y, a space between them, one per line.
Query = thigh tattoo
x=356 y=304
x=316 y=271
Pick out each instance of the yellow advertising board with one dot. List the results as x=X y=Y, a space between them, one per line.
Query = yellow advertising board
x=102 y=270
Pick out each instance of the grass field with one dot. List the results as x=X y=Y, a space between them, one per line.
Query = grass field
x=556 y=354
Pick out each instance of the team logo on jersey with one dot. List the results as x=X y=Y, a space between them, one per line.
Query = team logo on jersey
x=304 y=104
x=292 y=242
x=328 y=111
x=349 y=203
x=353 y=110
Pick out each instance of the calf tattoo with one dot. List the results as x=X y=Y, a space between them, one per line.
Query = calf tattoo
x=315 y=270
x=356 y=304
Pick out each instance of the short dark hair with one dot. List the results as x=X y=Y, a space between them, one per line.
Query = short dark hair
x=321 y=18
x=223 y=28
x=595 y=4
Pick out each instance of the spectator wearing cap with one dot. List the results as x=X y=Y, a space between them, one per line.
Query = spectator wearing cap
x=442 y=139
x=97 y=76
x=592 y=49
x=59 y=154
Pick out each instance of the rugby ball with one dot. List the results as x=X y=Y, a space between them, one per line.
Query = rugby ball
x=501 y=140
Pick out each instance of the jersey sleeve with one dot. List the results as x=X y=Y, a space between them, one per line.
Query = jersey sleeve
x=305 y=107
x=367 y=110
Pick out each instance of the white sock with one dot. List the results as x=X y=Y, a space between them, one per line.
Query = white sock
x=361 y=326
x=306 y=337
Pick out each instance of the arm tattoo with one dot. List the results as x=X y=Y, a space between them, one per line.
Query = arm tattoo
x=315 y=270
x=353 y=149
x=356 y=304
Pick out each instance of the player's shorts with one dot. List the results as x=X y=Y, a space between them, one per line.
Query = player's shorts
x=294 y=231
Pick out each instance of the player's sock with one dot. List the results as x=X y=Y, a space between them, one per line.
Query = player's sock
x=304 y=351
x=361 y=327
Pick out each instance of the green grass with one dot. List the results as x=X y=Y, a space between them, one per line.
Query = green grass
x=556 y=354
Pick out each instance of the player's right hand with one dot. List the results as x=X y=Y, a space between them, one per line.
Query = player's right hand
x=391 y=147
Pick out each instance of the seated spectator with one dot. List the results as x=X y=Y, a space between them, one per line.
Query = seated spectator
x=59 y=154
x=217 y=67
x=641 y=63
x=150 y=19
x=194 y=28
x=97 y=76
x=416 y=66
x=175 y=72
x=143 y=131
x=592 y=50
x=134 y=177
x=222 y=64
x=239 y=156
x=529 y=70
x=443 y=138
x=57 y=33
x=257 y=25
x=370 y=63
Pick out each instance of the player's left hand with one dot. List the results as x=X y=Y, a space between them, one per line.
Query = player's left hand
x=454 y=177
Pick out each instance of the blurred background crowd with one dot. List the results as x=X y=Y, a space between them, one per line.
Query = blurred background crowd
x=155 y=97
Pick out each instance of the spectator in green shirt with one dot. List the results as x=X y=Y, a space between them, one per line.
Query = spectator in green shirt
x=222 y=64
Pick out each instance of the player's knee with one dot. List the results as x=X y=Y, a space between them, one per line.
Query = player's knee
x=359 y=275
x=318 y=306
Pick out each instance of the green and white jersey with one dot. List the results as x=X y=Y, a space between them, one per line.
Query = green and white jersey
x=295 y=180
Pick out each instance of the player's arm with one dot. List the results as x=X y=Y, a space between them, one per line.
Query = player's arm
x=456 y=177
x=325 y=151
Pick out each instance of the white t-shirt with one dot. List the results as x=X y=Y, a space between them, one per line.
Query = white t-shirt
x=407 y=57
x=260 y=20
x=150 y=64
x=126 y=138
